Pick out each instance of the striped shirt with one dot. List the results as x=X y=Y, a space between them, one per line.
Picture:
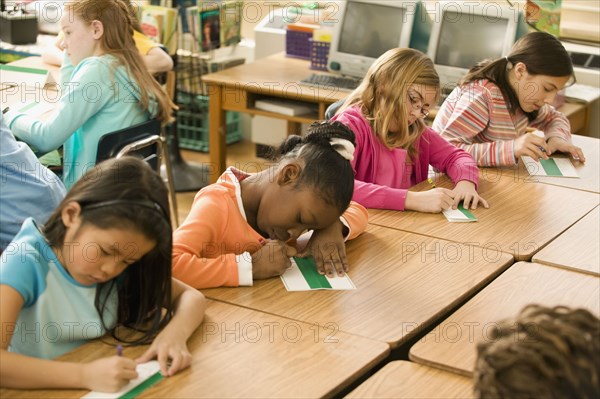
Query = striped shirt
x=476 y=118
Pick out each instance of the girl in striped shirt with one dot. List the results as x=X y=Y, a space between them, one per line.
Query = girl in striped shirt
x=489 y=112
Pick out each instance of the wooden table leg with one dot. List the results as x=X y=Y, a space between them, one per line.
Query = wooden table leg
x=216 y=132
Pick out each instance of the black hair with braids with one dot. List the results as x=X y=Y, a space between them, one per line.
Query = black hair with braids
x=326 y=169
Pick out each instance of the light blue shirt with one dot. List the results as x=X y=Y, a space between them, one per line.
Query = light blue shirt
x=27 y=188
x=58 y=313
x=98 y=97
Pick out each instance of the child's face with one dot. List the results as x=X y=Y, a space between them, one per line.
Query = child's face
x=285 y=213
x=81 y=40
x=534 y=91
x=419 y=100
x=92 y=255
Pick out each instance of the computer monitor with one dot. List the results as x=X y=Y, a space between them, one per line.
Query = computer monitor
x=465 y=33
x=365 y=29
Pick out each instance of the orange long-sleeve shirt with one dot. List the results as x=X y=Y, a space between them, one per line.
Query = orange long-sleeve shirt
x=212 y=247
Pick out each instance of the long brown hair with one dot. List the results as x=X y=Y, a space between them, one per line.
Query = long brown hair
x=126 y=193
x=382 y=94
x=541 y=53
x=117 y=40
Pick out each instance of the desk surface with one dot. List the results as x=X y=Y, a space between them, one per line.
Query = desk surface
x=522 y=217
x=452 y=344
x=577 y=248
x=405 y=282
x=242 y=353
x=277 y=76
x=589 y=172
x=402 y=379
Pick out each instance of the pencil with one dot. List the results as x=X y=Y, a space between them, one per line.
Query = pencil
x=430 y=180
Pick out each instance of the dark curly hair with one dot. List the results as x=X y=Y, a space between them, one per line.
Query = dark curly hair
x=325 y=168
x=543 y=353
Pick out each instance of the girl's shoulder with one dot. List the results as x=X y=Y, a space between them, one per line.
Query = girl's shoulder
x=482 y=88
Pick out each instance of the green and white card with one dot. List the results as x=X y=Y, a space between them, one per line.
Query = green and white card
x=555 y=167
x=460 y=214
x=148 y=375
x=303 y=276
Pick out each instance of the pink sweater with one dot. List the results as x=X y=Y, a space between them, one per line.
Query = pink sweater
x=380 y=181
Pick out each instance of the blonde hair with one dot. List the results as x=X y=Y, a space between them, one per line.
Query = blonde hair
x=117 y=40
x=382 y=94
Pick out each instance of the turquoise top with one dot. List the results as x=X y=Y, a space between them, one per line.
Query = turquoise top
x=97 y=97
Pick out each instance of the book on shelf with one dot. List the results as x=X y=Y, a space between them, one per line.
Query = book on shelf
x=160 y=24
x=284 y=107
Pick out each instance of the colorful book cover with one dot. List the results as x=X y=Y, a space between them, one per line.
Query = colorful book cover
x=210 y=36
x=544 y=15
x=160 y=24
x=231 y=23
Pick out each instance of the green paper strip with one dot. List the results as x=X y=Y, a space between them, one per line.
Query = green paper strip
x=14 y=68
x=550 y=167
x=466 y=212
x=143 y=386
x=308 y=268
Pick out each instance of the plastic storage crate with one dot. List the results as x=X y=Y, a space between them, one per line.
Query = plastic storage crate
x=319 y=54
x=192 y=123
x=297 y=43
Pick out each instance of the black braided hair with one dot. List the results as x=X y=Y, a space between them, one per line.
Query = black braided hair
x=325 y=168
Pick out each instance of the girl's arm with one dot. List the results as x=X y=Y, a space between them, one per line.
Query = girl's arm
x=84 y=95
x=19 y=371
x=157 y=60
x=557 y=132
x=189 y=306
x=371 y=195
x=466 y=115
x=199 y=256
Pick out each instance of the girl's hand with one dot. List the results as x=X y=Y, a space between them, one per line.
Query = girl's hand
x=531 y=145
x=271 y=260
x=328 y=248
x=108 y=374
x=465 y=191
x=431 y=201
x=558 y=144
x=168 y=345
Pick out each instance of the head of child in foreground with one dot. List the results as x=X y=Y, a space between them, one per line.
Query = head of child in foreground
x=543 y=353
x=314 y=182
x=113 y=230
x=397 y=93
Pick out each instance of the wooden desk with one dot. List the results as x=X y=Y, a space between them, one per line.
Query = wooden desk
x=522 y=217
x=405 y=282
x=237 y=88
x=240 y=353
x=402 y=379
x=452 y=344
x=589 y=172
x=577 y=248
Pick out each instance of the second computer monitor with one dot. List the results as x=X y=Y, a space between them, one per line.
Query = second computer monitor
x=466 y=33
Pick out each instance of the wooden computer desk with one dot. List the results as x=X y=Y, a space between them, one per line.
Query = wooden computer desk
x=452 y=344
x=402 y=379
x=237 y=88
x=405 y=282
x=577 y=248
x=522 y=217
x=243 y=353
x=589 y=172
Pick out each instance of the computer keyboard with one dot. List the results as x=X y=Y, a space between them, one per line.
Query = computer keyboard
x=344 y=83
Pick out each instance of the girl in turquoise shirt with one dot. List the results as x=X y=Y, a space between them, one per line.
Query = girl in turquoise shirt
x=105 y=87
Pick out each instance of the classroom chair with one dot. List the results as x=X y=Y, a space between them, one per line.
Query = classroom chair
x=147 y=141
x=332 y=109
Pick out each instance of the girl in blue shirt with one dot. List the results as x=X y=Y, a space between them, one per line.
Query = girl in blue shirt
x=102 y=261
x=104 y=84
